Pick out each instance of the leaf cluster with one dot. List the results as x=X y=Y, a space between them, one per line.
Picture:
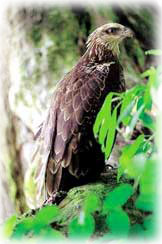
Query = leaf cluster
x=138 y=160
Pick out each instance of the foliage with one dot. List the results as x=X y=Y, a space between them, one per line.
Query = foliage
x=36 y=226
x=138 y=163
x=138 y=160
x=135 y=106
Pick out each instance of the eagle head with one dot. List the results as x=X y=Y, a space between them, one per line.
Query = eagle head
x=109 y=36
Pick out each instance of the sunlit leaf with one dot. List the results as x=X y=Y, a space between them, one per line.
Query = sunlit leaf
x=147 y=121
x=147 y=72
x=140 y=102
x=104 y=115
x=136 y=166
x=111 y=134
x=92 y=203
x=147 y=95
x=46 y=215
x=133 y=147
x=118 y=223
x=126 y=112
x=103 y=121
x=136 y=230
x=104 y=129
x=117 y=197
x=81 y=227
x=146 y=202
x=135 y=118
x=149 y=225
x=120 y=172
x=148 y=179
x=23 y=228
x=49 y=233
x=154 y=52
x=129 y=152
x=127 y=119
x=9 y=226
x=129 y=101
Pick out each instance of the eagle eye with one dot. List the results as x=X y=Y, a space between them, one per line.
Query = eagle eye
x=111 y=30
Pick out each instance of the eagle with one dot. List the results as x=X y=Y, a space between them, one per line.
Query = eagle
x=67 y=152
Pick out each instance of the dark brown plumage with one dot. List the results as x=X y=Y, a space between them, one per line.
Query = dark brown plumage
x=68 y=152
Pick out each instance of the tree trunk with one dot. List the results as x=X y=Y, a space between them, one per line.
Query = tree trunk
x=12 y=196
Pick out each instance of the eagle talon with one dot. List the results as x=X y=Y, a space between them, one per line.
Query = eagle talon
x=50 y=200
x=55 y=198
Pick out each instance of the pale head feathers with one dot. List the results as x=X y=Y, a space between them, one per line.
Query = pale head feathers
x=108 y=37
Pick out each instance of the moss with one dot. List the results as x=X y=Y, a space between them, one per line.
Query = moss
x=35 y=34
x=10 y=180
x=73 y=203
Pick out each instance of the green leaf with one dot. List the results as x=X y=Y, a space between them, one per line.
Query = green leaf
x=104 y=130
x=128 y=152
x=145 y=230
x=126 y=121
x=136 y=166
x=149 y=225
x=118 y=223
x=111 y=133
x=98 y=121
x=49 y=233
x=147 y=121
x=35 y=225
x=82 y=227
x=104 y=114
x=23 y=228
x=126 y=100
x=46 y=215
x=129 y=96
x=146 y=73
x=136 y=231
x=152 y=73
x=9 y=226
x=134 y=147
x=117 y=197
x=140 y=102
x=126 y=112
x=154 y=52
x=148 y=180
x=145 y=202
x=135 y=118
x=92 y=203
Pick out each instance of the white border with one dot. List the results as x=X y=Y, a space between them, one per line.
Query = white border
x=158 y=4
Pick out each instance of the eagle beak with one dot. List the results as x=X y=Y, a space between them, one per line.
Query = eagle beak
x=128 y=32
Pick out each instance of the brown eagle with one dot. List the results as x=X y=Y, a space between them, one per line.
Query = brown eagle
x=69 y=155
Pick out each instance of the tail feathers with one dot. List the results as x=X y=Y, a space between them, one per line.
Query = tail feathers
x=41 y=156
x=53 y=181
x=40 y=162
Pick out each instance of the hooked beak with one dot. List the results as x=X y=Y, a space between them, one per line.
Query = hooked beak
x=128 y=33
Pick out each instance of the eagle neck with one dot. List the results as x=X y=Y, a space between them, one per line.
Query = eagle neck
x=99 y=53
